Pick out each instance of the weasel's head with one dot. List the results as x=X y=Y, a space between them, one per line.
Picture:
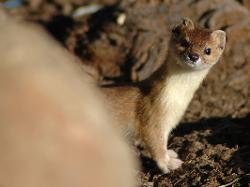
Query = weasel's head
x=195 y=47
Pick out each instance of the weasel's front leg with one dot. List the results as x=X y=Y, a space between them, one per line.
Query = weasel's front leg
x=155 y=139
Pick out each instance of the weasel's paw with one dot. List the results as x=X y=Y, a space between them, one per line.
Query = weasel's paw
x=169 y=162
x=172 y=153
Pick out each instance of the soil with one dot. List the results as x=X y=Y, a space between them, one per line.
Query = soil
x=213 y=139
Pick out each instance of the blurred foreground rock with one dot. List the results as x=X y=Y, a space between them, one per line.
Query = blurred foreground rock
x=53 y=129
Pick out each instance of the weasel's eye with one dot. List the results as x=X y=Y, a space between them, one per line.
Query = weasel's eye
x=176 y=30
x=185 y=43
x=207 y=51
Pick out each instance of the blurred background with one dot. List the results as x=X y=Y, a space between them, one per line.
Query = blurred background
x=127 y=40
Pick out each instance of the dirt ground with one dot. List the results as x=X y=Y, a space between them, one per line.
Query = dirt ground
x=213 y=138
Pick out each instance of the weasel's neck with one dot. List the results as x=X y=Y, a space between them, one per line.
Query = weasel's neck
x=176 y=78
x=172 y=88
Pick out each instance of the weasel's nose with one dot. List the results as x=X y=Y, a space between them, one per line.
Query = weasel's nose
x=193 y=57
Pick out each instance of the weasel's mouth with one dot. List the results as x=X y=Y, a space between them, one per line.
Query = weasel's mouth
x=188 y=63
x=193 y=63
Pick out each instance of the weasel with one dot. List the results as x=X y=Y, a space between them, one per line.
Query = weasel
x=154 y=107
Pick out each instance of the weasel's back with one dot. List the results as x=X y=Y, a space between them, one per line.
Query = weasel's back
x=122 y=102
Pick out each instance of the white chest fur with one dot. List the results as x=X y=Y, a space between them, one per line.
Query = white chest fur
x=177 y=93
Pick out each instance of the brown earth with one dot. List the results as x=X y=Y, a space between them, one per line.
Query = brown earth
x=214 y=138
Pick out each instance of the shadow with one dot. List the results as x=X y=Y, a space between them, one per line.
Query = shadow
x=59 y=26
x=149 y=166
x=98 y=20
x=228 y=133
x=96 y=24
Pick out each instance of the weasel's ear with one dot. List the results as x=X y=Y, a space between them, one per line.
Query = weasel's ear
x=188 y=23
x=185 y=23
x=221 y=37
